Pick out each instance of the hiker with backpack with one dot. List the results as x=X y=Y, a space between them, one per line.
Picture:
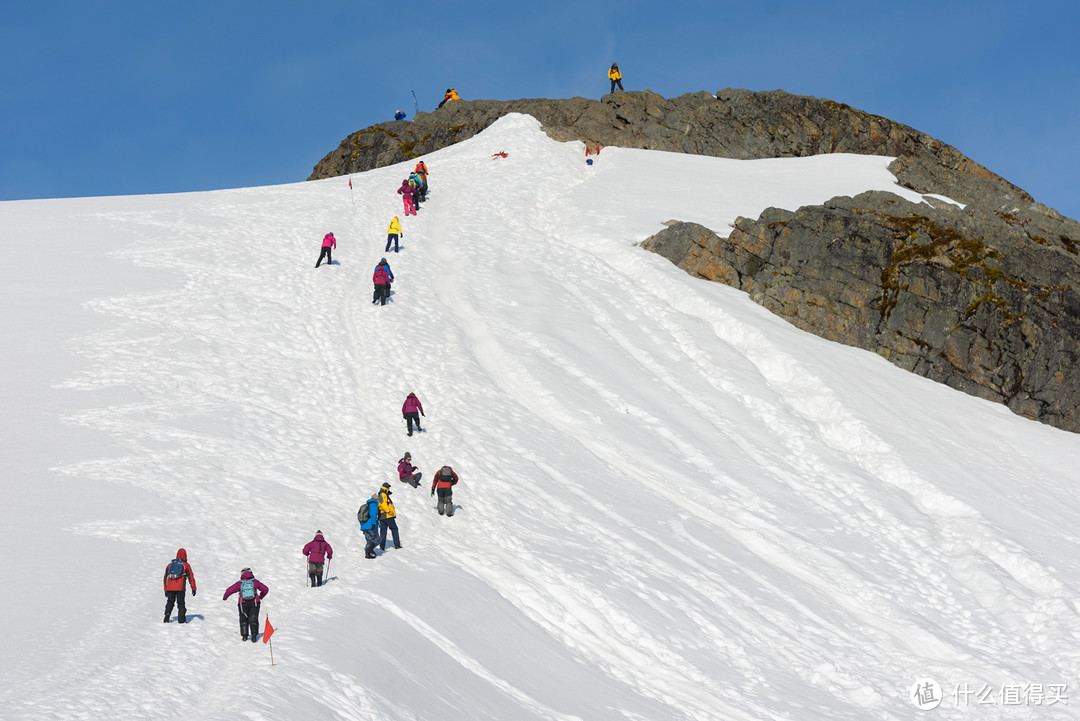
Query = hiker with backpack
x=407 y=472
x=443 y=483
x=177 y=575
x=393 y=232
x=411 y=410
x=381 y=279
x=387 y=518
x=406 y=193
x=317 y=551
x=368 y=517
x=328 y=242
x=252 y=591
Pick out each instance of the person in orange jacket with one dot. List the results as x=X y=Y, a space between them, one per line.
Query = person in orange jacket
x=177 y=575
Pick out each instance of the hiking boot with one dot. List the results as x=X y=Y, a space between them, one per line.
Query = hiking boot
x=182 y=620
x=165 y=620
x=254 y=638
x=399 y=546
x=243 y=638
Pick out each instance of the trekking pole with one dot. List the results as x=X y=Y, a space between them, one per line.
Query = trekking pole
x=327 y=570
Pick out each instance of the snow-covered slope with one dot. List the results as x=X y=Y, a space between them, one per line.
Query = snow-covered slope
x=673 y=505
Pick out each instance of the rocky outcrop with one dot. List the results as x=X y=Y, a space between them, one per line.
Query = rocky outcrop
x=982 y=301
x=737 y=124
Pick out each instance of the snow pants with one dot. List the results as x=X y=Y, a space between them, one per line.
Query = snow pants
x=411 y=418
x=381 y=294
x=176 y=597
x=371 y=535
x=614 y=83
x=324 y=254
x=391 y=525
x=407 y=199
x=391 y=238
x=446 y=501
x=314 y=572
x=249 y=619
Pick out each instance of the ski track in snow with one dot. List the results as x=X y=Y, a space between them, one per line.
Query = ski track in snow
x=667 y=510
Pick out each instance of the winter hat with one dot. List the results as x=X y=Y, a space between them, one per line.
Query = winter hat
x=386 y=485
x=245 y=569
x=407 y=456
x=382 y=261
x=318 y=533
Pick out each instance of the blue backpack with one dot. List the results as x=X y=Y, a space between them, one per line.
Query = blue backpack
x=247 y=589
x=176 y=569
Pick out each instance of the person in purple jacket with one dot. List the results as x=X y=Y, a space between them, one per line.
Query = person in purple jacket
x=328 y=242
x=407 y=472
x=252 y=591
x=317 y=551
x=411 y=410
x=406 y=193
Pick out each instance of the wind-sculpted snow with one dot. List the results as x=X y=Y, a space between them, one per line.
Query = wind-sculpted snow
x=672 y=505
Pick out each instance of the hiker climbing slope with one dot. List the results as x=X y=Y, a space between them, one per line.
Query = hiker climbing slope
x=252 y=591
x=177 y=575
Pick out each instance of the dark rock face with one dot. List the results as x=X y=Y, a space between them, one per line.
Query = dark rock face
x=982 y=301
x=731 y=124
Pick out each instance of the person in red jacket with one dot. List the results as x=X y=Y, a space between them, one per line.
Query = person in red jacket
x=411 y=410
x=177 y=575
x=445 y=480
x=381 y=278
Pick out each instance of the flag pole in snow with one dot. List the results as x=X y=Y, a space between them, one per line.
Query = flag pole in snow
x=268 y=632
x=351 y=196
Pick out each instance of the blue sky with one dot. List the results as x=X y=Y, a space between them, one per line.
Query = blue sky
x=114 y=97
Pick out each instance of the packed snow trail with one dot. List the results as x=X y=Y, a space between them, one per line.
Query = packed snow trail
x=673 y=505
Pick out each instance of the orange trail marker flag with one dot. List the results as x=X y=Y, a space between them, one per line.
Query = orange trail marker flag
x=268 y=631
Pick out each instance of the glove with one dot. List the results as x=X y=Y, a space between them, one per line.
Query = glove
x=193 y=593
x=433 y=491
x=422 y=413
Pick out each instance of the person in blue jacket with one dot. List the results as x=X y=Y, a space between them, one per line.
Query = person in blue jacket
x=370 y=527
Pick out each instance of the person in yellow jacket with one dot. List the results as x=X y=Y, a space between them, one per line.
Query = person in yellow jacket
x=615 y=76
x=451 y=94
x=392 y=234
x=387 y=518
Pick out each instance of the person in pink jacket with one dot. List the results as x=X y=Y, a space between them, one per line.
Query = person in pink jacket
x=252 y=591
x=317 y=551
x=406 y=193
x=411 y=410
x=328 y=242
x=407 y=472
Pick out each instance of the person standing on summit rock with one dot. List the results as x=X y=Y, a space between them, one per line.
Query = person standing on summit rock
x=615 y=76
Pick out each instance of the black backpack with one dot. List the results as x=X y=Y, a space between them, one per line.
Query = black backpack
x=364 y=514
x=446 y=474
